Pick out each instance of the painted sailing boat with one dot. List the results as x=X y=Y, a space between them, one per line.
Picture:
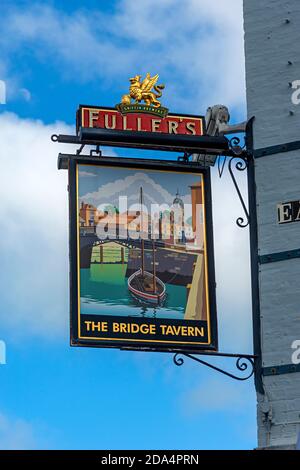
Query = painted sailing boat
x=146 y=286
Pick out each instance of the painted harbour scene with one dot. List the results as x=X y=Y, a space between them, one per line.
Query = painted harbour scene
x=141 y=243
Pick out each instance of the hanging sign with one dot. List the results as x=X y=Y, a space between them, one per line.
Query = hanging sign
x=141 y=242
x=142 y=264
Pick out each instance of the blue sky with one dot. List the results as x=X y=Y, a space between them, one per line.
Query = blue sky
x=54 y=56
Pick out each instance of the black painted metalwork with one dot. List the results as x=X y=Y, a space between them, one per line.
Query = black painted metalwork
x=279 y=256
x=244 y=363
x=65 y=158
x=78 y=151
x=204 y=144
x=185 y=158
x=281 y=369
x=240 y=157
x=273 y=149
x=66 y=139
x=240 y=165
x=156 y=140
x=96 y=151
x=256 y=321
x=221 y=165
x=234 y=145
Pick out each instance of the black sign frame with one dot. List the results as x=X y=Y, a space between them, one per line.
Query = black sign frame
x=145 y=164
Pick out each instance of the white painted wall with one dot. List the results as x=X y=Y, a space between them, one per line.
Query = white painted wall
x=272 y=48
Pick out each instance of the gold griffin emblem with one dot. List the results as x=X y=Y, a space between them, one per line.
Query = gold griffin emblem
x=143 y=91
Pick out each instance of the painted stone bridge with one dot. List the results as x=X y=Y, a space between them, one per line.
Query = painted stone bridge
x=89 y=239
x=173 y=266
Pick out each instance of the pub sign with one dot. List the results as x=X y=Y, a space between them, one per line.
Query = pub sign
x=141 y=240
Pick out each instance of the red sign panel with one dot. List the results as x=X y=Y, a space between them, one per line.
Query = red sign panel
x=110 y=118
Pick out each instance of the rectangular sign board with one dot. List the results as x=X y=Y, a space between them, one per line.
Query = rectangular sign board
x=140 y=120
x=141 y=244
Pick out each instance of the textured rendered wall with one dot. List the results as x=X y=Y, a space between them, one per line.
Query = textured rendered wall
x=272 y=48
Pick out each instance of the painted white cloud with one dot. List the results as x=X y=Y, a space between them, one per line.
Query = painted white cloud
x=34 y=241
x=196 y=46
x=109 y=192
x=86 y=174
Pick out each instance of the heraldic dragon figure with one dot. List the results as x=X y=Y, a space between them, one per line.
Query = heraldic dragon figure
x=139 y=91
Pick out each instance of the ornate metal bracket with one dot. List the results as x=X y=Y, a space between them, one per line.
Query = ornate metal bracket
x=244 y=363
x=240 y=161
x=240 y=165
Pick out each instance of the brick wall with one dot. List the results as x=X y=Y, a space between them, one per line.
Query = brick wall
x=272 y=45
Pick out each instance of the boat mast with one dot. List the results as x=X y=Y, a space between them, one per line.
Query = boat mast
x=141 y=231
x=154 y=267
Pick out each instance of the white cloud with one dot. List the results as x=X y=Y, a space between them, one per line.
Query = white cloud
x=196 y=46
x=26 y=95
x=199 y=41
x=34 y=228
x=217 y=395
x=16 y=434
x=12 y=84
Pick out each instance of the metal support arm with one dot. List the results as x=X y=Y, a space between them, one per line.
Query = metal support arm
x=244 y=363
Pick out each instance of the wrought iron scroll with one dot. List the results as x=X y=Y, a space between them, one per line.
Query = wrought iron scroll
x=239 y=160
x=240 y=165
x=244 y=364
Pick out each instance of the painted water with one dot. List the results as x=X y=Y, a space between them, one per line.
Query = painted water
x=104 y=291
